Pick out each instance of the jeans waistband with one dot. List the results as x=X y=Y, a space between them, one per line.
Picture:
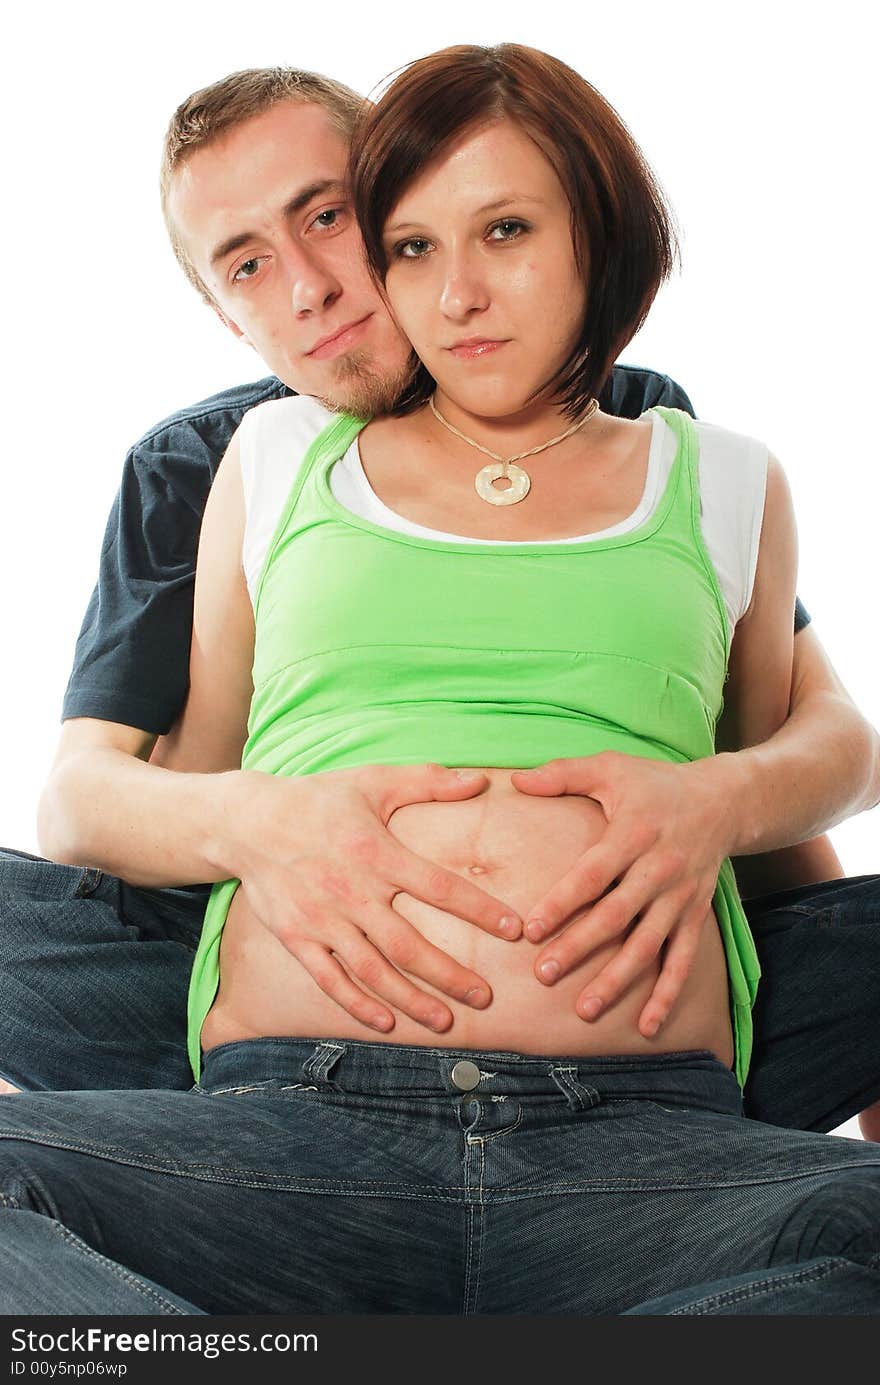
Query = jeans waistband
x=695 y=1079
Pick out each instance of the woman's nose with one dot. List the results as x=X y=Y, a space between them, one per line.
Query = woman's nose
x=464 y=290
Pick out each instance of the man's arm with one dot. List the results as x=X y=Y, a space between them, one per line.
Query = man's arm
x=825 y=723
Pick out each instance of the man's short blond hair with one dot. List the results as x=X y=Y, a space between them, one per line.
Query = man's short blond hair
x=215 y=110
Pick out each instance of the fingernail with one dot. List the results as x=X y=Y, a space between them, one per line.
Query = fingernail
x=591 y=1008
x=508 y=925
x=651 y=1028
x=468 y=776
x=477 y=997
x=535 y=930
x=383 y=1024
x=549 y=969
x=439 y=1023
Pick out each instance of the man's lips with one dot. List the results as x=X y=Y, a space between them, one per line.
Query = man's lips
x=340 y=340
x=473 y=347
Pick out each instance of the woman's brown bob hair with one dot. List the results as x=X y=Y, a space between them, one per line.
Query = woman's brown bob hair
x=622 y=228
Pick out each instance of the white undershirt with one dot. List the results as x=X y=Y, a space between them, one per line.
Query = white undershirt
x=275 y=436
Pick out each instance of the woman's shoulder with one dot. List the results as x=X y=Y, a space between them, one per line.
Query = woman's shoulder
x=297 y=417
x=719 y=435
x=726 y=450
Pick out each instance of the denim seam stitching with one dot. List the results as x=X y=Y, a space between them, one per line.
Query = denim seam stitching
x=109 y=1152
x=746 y=1292
x=119 y=1271
x=495 y=1134
x=472 y=1258
x=480 y=1211
x=226 y=1091
x=212 y=1173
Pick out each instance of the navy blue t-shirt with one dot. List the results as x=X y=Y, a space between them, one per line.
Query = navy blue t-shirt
x=132 y=656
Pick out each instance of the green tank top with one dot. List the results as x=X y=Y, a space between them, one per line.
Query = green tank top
x=379 y=647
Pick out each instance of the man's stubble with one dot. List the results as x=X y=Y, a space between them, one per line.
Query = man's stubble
x=363 y=388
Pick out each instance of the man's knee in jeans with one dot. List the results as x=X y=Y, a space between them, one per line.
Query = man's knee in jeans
x=840 y=1218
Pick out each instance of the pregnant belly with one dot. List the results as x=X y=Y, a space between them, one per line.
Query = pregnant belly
x=515 y=847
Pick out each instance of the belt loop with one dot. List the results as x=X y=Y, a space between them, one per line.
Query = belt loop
x=319 y=1065
x=88 y=883
x=579 y=1097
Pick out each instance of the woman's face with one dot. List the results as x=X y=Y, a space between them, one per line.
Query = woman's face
x=481 y=270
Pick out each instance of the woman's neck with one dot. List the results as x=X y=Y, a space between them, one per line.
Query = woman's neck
x=505 y=435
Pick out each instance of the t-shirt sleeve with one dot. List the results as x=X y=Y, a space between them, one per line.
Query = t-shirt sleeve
x=273 y=442
x=131 y=663
x=631 y=390
x=733 y=479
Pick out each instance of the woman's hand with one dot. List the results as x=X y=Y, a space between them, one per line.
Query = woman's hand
x=320 y=870
x=650 y=877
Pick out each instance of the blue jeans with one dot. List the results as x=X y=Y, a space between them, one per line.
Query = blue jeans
x=307 y=1176
x=94 y=974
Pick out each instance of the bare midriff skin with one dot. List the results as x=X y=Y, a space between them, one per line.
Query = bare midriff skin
x=516 y=847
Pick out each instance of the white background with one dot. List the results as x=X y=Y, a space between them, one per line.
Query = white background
x=760 y=120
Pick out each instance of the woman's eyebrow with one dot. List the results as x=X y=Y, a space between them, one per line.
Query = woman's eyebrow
x=493 y=206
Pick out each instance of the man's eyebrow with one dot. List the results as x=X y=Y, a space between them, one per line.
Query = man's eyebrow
x=479 y=211
x=297 y=202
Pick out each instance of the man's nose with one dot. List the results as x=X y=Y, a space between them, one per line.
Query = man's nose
x=464 y=289
x=313 y=285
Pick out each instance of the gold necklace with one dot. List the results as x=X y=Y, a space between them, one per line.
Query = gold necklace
x=504 y=469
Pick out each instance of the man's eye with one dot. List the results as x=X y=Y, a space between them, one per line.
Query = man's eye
x=414 y=249
x=507 y=229
x=247 y=269
x=329 y=219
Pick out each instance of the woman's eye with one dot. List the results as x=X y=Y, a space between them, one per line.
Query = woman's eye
x=507 y=230
x=414 y=249
x=247 y=269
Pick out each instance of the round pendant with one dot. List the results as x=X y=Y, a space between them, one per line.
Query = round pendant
x=518 y=489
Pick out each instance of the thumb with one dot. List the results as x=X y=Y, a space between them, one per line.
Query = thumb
x=576 y=776
x=404 y=784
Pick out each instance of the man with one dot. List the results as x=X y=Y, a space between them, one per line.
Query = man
x=253 y=193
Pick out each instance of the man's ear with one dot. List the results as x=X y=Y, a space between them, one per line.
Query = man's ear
x=232 y=326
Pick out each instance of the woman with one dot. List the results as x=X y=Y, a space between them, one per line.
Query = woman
x=404 y=608
x=460 y=681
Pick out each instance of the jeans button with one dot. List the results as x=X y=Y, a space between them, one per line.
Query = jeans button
x=466 y=1075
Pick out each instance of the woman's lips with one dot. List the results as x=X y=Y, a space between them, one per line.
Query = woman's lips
x=341 y=341
x=471 y=350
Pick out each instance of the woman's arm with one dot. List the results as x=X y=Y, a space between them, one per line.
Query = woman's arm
x=758 y=688
x=212 y=729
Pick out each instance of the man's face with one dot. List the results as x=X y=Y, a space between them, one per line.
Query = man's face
x=265 y=219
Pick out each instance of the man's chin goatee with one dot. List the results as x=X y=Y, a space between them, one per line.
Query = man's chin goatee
x=360 y=388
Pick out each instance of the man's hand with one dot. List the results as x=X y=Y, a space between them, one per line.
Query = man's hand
x=653 y=873
x=320 y=870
